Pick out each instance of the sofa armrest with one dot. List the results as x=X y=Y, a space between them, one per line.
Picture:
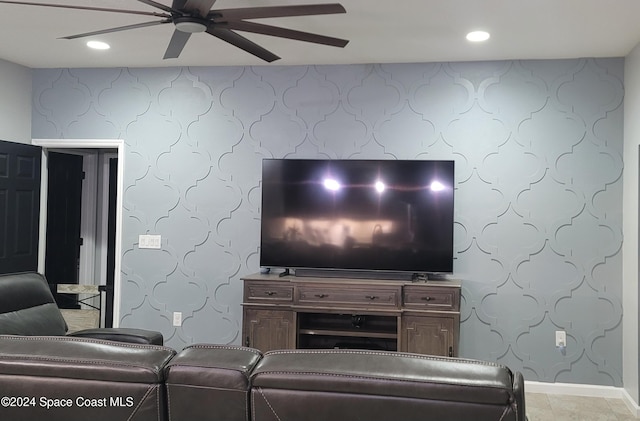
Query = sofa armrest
x=122 y=334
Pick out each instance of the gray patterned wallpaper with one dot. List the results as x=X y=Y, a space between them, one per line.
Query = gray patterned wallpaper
x=538 y=150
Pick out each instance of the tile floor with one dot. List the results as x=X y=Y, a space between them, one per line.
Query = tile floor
x=553 y=407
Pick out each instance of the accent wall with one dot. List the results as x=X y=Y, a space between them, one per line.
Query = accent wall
x=538 y=148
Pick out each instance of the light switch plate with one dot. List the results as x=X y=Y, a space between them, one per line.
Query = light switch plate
x=148 y=241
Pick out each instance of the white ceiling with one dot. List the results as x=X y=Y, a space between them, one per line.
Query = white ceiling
x=380 y=31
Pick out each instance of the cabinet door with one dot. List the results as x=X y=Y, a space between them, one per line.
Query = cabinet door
x=267 y=329
x=430 y=334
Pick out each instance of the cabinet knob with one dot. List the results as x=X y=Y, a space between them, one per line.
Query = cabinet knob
x=371 y=297
x=270 y=293
x=321 y=295
x=427 y=298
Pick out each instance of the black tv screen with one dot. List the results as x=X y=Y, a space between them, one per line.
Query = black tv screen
x=361 y=215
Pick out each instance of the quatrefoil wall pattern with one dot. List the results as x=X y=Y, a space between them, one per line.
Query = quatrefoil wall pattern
x=538 y=151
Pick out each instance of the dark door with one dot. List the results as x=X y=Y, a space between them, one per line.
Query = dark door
x=19 y=206
x=64 y=204
x=111 y=241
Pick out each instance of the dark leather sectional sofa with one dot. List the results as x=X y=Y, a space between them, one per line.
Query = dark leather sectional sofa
x=62 y=378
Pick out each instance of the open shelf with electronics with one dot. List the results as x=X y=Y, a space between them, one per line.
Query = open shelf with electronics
x=350 y=330
x=317 y=312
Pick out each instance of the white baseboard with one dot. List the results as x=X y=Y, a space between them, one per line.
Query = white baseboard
x=588 y=390
x=631 y=404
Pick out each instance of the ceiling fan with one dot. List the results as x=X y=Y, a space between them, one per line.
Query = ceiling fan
x=191 y=16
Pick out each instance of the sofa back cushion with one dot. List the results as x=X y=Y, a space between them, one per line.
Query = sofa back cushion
x=318 y=385
x=27 y=306
x=61 y=378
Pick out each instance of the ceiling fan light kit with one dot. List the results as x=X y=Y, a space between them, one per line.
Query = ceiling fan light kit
x=190 y=25
x=194 y=16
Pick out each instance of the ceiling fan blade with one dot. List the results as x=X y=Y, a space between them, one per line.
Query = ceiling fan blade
x=118 y=29
x=97 y=9
x=161 y=6
x=203 y=7
x=242 y=43
x=275 y=31
x=177 y=43
x=224 y=15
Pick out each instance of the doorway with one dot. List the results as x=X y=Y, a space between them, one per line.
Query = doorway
x=112 y=162
x=64 y=214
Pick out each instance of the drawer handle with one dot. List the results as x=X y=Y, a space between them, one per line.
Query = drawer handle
x=270 y=293
x=372 y=297
x=321 y=295
x=427 y=298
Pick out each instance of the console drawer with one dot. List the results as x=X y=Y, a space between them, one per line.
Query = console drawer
x=337 y=296
x=263 y=292
x=432 y=298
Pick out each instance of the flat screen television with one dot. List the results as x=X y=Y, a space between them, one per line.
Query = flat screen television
x=392 y=216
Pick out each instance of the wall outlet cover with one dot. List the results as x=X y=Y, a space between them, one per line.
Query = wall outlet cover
x=177 y=318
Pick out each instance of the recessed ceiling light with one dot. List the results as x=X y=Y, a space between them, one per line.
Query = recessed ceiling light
x=98 y=45
x=478 y=36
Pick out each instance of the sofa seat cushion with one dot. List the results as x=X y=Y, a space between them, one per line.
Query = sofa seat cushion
x=386 y=374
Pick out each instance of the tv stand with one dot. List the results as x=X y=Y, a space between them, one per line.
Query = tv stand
x=332 y=312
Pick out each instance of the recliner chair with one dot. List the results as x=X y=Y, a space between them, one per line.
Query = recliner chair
x=27 y=308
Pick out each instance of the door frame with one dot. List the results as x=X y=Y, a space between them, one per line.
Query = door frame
x=117 y=144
